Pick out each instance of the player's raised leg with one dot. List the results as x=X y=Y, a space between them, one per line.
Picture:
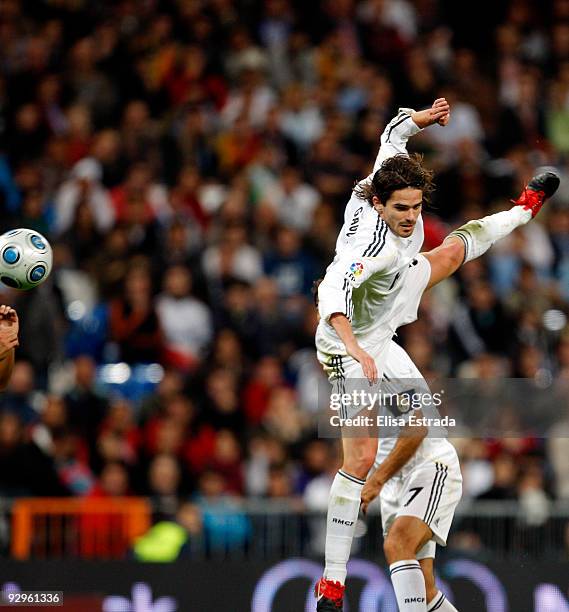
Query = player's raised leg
x=343 y=509
x=474 y=238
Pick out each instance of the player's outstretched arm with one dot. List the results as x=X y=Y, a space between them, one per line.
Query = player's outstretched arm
x=474 y=238
x=9 y=328
x=438 y=113
x=406 y=124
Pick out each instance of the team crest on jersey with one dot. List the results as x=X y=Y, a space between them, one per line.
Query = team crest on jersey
x=357 y=268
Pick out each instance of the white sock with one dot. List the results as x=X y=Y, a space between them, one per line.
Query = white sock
x=441 y=603
x=479 y=235
x=409 y=585
x=343 y=509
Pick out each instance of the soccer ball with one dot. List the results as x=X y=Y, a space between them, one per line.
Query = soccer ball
x=25 y=258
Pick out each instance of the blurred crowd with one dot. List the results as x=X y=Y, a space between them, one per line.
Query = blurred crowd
x=189 y=161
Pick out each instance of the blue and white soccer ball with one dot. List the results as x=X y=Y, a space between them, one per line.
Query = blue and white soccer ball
x=25 y=258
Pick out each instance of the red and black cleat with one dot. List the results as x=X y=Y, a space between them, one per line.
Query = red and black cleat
x=329 y=595
x=541 y=187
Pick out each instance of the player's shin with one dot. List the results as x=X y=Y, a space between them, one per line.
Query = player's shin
x=479 y=235
x=441 y=604
x=343 y=508
x=409 y=585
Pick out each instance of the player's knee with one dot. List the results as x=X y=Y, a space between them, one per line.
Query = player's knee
x=359 y=464
x=397 y=547
x=394 y=549
x=359 y=457
x=399 y=544
x=453 y=254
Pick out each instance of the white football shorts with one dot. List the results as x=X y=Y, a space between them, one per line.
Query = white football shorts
x=430 y=492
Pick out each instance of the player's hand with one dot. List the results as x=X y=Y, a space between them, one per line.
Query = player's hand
x=9 y=318
x=444 y=119
x=8 y=314
x=365 y=360
x=370 y=491
x=9 y=328
x=438 y=113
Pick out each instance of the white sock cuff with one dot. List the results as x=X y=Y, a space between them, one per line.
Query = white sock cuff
x=403 y=566
x=351 y=478
x=437 y=602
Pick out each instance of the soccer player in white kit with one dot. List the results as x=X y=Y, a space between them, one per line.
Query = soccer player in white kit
x=373 y=286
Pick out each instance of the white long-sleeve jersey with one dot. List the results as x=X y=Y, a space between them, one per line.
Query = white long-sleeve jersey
x=371 y=261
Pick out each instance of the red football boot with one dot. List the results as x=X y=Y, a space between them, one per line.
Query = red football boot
x=541 y=187
x=329 y=595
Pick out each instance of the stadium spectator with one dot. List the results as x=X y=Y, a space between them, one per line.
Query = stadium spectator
x=26 y=470
x=83 y=187
x=171 y=539
x=164 y=486
x=86 y=406
x=133 y=321
x=185 y=321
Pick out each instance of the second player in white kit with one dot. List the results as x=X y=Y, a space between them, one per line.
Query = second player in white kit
x=429 y=485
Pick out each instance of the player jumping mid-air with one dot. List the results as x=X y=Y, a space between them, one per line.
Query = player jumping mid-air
x=373 y=286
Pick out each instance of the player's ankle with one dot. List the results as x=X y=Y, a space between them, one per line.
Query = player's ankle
x=335 y=572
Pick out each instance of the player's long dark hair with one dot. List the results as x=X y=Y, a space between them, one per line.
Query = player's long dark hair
x=398 y=172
